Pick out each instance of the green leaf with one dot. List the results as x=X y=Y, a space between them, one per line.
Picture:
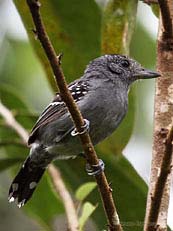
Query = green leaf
x=143 y=43
x=44 y=205
x=84 y=190
x=156 y=10
x=74 y=29
x=23 y=72
x=118 y=25
x=87 y=211
x=129 y=189
x=8 y=162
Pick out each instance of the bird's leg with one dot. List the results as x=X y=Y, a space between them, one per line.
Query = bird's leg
x=85 y=128
x=94 y=170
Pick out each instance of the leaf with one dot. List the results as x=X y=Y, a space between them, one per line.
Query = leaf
x=87 y=210
x=8 y=162
x=118 y=26
x=129 y=189
x=84 y=190
x=44 y=205
x=156 y=10
x=143 y=43
x=74 y=29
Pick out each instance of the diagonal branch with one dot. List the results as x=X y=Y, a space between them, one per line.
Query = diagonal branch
x=91 y=156
x=53 y=171
x=11 y=122
x=65 y=196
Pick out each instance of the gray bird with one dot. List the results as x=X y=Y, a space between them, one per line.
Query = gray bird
x=101 y=95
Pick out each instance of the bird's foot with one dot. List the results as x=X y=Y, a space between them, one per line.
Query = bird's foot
x=85 y=128
x=94 y=170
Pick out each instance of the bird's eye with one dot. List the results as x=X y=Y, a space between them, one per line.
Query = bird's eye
x=125 y=63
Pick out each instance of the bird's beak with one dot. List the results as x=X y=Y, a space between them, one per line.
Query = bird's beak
x=143 y=73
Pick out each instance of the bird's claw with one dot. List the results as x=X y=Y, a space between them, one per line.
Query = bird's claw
x=85 y=128
x=94 y=170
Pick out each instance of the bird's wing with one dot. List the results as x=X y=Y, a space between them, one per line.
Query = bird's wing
x=52 y=112
x=56 y=109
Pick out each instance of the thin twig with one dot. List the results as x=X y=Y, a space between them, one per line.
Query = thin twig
x=64 y=194
x=53 y=172
x=91 y=156
x=11 y=122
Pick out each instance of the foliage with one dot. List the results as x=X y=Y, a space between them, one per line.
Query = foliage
x=76 y=28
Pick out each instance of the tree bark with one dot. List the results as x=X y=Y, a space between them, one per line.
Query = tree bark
x=157 y=208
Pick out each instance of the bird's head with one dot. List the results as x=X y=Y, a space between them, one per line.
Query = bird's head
x=121 y=67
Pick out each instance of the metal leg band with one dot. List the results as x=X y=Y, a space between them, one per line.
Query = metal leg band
x=85 y=128
x=95 y=169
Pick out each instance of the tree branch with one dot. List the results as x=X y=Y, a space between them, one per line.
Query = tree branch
x=165 y=170
x=11 y=122
x=53 y=172
x=159 y=188
x=65 y=196
x=165 y=9
x=92 y=159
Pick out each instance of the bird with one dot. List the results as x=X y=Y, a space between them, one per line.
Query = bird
x=102 y=97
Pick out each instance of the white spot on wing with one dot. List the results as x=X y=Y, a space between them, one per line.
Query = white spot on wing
x=84 y=92
x=32 y=185
x=11 y=199
x=50 y=105
x=55 y=103
x=20 y=204
x=34 y=145
x=70 y=88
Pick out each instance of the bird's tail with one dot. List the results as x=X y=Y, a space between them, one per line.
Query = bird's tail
x=25 y=183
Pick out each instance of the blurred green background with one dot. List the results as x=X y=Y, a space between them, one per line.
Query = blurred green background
x=25 y=89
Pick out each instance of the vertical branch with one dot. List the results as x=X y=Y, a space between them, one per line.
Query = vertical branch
x=159 y=189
